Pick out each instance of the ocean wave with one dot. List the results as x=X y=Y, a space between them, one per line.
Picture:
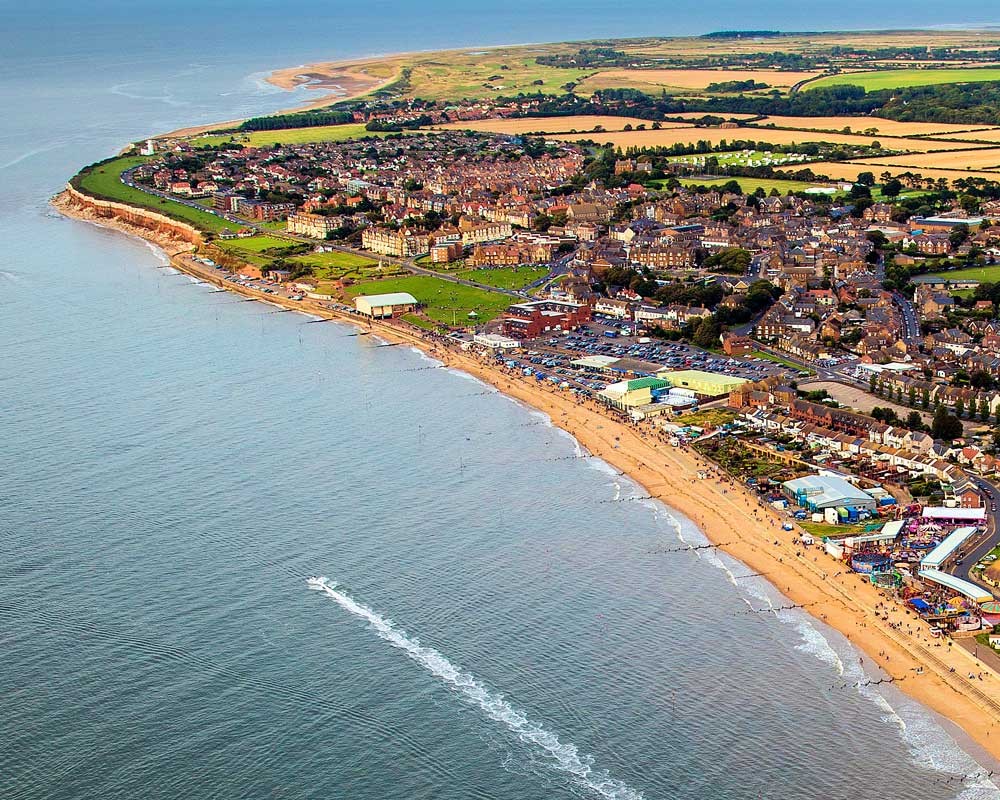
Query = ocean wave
x=562 y=756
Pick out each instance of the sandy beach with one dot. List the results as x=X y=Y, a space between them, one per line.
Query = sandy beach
x=895 y=642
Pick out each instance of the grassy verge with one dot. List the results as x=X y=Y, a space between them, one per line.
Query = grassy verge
x=103 y=181
x=778 y=360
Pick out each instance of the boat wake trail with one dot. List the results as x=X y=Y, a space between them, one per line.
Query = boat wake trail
x=563 y=757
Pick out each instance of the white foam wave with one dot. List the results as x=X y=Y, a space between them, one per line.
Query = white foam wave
x=424 y=357
x=932 y=747
x=193 y=279
x=170 y=270
x=30 y=154
x=562 y=756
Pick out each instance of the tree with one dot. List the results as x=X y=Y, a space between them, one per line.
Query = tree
x=958 y=235
x=866 y=178
x=873 y=384
x=925 y=397
x=892 y=188
x=945 y=426
x=911 y=396
x=984 y=409
x=959 y=408
x=707 y=333
x=914 y=421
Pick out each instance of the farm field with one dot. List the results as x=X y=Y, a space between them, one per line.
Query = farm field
x=104 y=181
x=551 y=124
x=885 y=127
x=686 y=79
x=849 y=170
x=669 y=136
x=443 y=301
x=319 y=133
x=901 y=78
x=700 y=114
x=986 y=135
x=963 y=159
x=505 y=277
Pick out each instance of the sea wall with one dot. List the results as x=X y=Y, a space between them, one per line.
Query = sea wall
x=159 y=224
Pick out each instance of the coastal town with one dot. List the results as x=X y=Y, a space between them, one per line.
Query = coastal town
x=771 y=314
x=818 y=355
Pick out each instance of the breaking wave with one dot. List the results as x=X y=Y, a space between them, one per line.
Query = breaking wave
x=561 y=756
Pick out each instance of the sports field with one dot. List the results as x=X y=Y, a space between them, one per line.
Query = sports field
x=443 y=301
x=901 y=78
x=983 y=274
x=753 y=184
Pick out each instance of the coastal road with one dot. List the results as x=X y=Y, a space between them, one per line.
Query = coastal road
x=409 y=265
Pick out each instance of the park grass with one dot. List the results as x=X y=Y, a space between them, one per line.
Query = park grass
x=990 y=274
x=902 y=78
x=104 y=182
x=512 y=278
x=442 y=301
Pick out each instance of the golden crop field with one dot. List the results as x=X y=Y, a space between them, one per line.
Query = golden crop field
x=885 y=127
x=700 y=114
x=691 y=135
x=986 y=135
x=685 y=79
x=962 y=159
x=849 y=170
x=581 y=123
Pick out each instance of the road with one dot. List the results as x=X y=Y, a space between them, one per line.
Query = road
x=911 y=325
x=987 y=542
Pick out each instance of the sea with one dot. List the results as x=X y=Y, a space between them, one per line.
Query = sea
x=244 y=555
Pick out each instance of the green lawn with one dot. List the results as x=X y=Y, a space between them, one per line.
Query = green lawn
x=752 y=184
x=901 y=78
x=443 y=301
x=318 y=133
x=257 y=244
x=104 y=181
x=505 y=278
x=335 y=265
x=982 y=274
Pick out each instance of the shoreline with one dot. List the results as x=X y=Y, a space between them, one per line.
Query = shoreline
x=727 y=515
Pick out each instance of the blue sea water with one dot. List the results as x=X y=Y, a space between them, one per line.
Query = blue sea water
x=177 y=464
